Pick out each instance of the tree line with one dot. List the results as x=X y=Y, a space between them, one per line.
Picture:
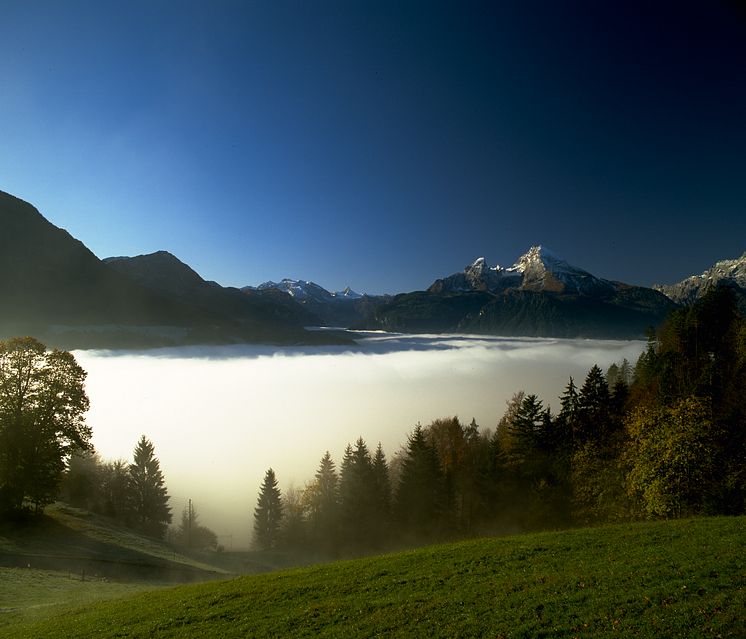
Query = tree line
x=661 y=439
x=46 y=451
x=134 y=494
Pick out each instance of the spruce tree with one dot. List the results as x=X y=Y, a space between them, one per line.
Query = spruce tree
x=323 y=500
x=357 y=495
x=566 y=422
x=148 y=495
x=381 y=496
x=527 y=427
x=268 y=513
x=381 y=483
x=593 y=408
x=420 y=494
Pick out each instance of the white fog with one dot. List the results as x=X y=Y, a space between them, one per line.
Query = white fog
x=220 y=416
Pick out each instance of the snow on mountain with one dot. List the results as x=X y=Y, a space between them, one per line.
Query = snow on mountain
x=347 y=294
x=539 y=269
x=692 y=288
x=300 y=290
x=543 y=270
x=305 y=291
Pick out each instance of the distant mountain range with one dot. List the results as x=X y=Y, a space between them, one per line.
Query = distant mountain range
x=340 y=309
x=726 y=272
x=53 y=287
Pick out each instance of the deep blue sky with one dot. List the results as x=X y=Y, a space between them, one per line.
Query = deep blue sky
x=381 y=144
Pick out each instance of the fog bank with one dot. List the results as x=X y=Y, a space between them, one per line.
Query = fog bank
x=220 y=416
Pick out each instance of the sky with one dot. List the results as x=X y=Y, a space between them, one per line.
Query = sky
x=381 y=145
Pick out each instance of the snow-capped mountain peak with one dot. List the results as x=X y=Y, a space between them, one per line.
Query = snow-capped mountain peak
x=298 y=289
x=541 y=256
x=306 y=291
x=346 y=294
x=539 y=269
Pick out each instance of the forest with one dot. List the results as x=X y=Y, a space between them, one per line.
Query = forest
x=662 y=438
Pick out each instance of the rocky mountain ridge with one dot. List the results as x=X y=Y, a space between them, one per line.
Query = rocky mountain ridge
x=539 y=269
x=729 y=272
x=541 y=294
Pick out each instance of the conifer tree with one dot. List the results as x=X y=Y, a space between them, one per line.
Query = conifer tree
x=420 y=494
x=357 y=495
x=593 y=408
x=322 y=498
x=530 y=427
x=567 y=420
x=381 y=506
x=115 y=490
x=150 y=511
x=268 y=513
x=381 y=483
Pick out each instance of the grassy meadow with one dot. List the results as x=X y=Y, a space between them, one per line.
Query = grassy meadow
x=684 y=578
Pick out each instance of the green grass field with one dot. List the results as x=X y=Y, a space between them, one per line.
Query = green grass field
x=665 y=579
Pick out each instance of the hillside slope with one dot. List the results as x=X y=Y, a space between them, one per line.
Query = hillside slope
x=665 y=579
x=54 y=288
x=81 y=542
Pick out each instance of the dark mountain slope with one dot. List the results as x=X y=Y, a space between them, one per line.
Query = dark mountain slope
x=53 y=287
x=49 y=277
x=166 y=274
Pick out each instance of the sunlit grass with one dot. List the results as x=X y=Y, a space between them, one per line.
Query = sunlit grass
x=665 y=579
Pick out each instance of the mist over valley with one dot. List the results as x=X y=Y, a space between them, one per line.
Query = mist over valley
x=220 y=416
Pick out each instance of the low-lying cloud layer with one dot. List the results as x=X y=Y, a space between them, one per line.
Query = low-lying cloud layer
x=220 y=416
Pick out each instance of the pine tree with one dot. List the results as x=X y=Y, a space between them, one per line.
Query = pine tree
x=322 y=497
x=420 y=494
x=593 y=408
x=381 y=483
x=357 y=495
x=527 y=428
x=148 y=495
x=381 y=496
x=115 y=490
x=566 y=423
x=268 y=513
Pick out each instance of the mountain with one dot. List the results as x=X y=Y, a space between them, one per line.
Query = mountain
x=48 y=279
x=343 y=308
x=56 y=289
x=53 y=287
x=539 y=270
x=347 y=294
x=541 y=294
x=300 y=290
x=164 y=273
x=726 y=272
